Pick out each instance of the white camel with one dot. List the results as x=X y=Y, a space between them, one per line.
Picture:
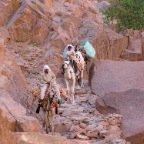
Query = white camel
x=70 y=79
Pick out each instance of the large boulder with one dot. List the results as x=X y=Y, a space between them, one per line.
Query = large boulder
x=134 y=50
x=130 y=105
x=6 y=136
x=37 y=138
x=116 y=76
x=115 y=82
x=16 y=116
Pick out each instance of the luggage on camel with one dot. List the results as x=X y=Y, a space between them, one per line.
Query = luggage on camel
x=90 y=51
x=47 y=98
x=64 y=53
x=36 y=93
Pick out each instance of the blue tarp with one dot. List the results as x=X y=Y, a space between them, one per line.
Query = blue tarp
x=90 y=51
x=64 y=53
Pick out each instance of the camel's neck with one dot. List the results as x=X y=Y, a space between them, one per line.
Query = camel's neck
x=68 y=72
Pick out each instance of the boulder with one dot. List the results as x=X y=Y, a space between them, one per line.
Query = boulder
x=62 y=127
x=37 y=138
x=92 y=99
x=82 y=137
x=16 y=116
x=130 y=105
x=116 y=76
x=27 y=124
x=109 y=44
x=115 y=83
x=6 y=135
x=134 y=50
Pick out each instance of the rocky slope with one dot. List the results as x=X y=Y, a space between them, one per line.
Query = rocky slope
x=14 y=92
x=39 y=30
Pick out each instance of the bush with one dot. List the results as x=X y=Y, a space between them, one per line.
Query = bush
x=127 y=13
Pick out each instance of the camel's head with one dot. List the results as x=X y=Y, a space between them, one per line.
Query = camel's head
x=52 y=96
x=66 y=64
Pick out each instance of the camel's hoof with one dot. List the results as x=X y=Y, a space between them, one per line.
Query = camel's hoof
x=47 y=131
x=73 y=103
x=82 y=86
x=78 y=87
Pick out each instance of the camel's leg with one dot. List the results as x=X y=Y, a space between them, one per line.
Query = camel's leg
x=68 y=88
x=73 y=99
x=67 y=85
x=73 y=91
x=81 y=79
x=52 y=121
x=47 y=121
x=44 y=121
x=47 y=118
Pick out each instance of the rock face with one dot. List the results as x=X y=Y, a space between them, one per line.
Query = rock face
x=48 y=26
x=7 y=9
x=6 y=136
x=12 y=79
x=28 y=22
x=130 y=105
x=134 y=51
x=13 y=90
x=116 y=76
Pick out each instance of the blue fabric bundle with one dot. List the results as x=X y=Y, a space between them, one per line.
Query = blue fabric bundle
x=64 y=53
x=90 y=51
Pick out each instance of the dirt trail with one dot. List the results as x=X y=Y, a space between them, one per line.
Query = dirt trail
x=82 y=121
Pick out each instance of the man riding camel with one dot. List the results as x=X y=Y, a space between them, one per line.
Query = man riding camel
x=73 y=57
x=49 y=80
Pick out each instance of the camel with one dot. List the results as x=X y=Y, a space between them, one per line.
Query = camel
x=80 y=71
x=49 y=106
x=70 y=79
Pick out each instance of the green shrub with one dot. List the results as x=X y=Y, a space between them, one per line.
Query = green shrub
x=127 y=13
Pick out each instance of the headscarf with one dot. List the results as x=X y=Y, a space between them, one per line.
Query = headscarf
x=46 y=67
x=70 y=46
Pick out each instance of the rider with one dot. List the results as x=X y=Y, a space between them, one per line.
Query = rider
x=80 y=55
x=49 y=79
x=72 y=55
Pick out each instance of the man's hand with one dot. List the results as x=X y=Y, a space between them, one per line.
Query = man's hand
x=48 y=83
